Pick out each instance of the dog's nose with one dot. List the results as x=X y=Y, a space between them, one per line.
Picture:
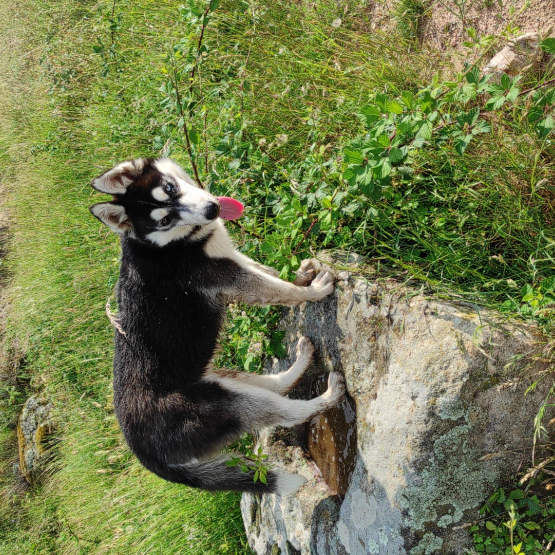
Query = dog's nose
x=212 y=211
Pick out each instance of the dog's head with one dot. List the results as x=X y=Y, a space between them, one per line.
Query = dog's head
x=155 y=201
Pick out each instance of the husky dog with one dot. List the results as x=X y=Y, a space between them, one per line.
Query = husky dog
x=178 y=271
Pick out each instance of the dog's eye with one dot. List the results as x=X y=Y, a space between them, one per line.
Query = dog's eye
x=165 y=221
x=169 y=189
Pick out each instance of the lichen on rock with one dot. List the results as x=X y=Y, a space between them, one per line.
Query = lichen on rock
x=33 y=428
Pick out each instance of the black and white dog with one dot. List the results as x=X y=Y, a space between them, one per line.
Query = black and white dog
x=178 y=271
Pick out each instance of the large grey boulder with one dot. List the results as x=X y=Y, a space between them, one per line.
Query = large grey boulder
x=438 y=418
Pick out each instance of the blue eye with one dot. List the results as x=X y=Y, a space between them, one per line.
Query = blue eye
x=169 y=189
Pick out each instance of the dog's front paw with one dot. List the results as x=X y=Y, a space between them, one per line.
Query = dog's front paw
x=307 y=272
x=322 y=286
x=336 y=388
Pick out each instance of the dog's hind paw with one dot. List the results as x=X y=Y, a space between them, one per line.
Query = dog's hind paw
x=322 y=286
x=305 y=348
x=336 y=387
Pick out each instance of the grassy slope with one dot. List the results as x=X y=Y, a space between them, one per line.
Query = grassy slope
x=64 y=267
x=69 y=113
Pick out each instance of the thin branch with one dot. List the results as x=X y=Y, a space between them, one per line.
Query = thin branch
x=537 y=87
x=199 y=45
x=186 y=132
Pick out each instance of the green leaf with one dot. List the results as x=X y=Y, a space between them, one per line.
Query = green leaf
x=516 y=494
x=425 y=131
x=491 y=526
x=194 y=137
x=395 y=155
x=505 y=81
x=548 y=45
x=353 y=156
x=495 y=102
x=407 y=98
x=393 y=107
x=371 y=113
x=384 y=170
x=473 y=76
x=532 y=526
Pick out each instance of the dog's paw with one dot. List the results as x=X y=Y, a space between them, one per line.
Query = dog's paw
x=336 y=387
x=307 y=272
x=322 y=286
x=305 y=349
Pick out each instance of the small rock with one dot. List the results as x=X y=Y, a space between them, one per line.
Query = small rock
x=33 y=429
x=519 y=54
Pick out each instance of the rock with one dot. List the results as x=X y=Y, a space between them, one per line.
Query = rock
x=520 y=54
x=440 y=418
x=33 y=429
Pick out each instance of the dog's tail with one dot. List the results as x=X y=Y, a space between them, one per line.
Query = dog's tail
x=215 y=475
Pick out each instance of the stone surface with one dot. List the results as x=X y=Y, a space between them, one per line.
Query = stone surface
x=442 y=420
x=33 y=429
x=520 y=53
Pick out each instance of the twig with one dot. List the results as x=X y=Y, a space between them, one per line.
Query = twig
x=312 y=223
x=537 y=87
x=199 y=44
x=186 y=132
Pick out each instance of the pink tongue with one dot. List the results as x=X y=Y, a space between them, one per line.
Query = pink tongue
x=231 y=209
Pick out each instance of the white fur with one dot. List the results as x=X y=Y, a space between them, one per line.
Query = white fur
x=113 y=182
x=288 y=483
x=113 y=215
x=159 y=214
x=160 y=195
x=167 y=166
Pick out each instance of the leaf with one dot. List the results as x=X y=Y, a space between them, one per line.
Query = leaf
x=371 y=113
x=425 y=131
x=393 y=107
x=495 y=102
x=532 y=526
x=535 y=114
x=505 y=81
x=385 y=169
x=491 y=526
x=352 y=156
x=395 y=155
x=516 y=494
x=481 y=127
x=407 y=98
x=462 y=142
x=473 y=76
x=548 y=45
x=194 y=137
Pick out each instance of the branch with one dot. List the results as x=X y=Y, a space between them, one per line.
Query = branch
x=186 y=131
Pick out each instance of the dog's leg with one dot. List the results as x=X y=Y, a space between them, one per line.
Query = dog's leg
x=279 y=383
x=253 y=286
x=262 y=408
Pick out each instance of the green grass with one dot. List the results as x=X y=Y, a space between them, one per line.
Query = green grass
x=85 y=85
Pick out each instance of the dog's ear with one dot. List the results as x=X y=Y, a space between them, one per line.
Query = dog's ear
x=113 y=215
x=116 y=180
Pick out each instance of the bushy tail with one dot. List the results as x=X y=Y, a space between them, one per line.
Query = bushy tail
x=215 y=475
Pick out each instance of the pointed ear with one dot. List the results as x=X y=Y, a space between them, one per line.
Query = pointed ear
x=116 y=180
x=113 y=215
